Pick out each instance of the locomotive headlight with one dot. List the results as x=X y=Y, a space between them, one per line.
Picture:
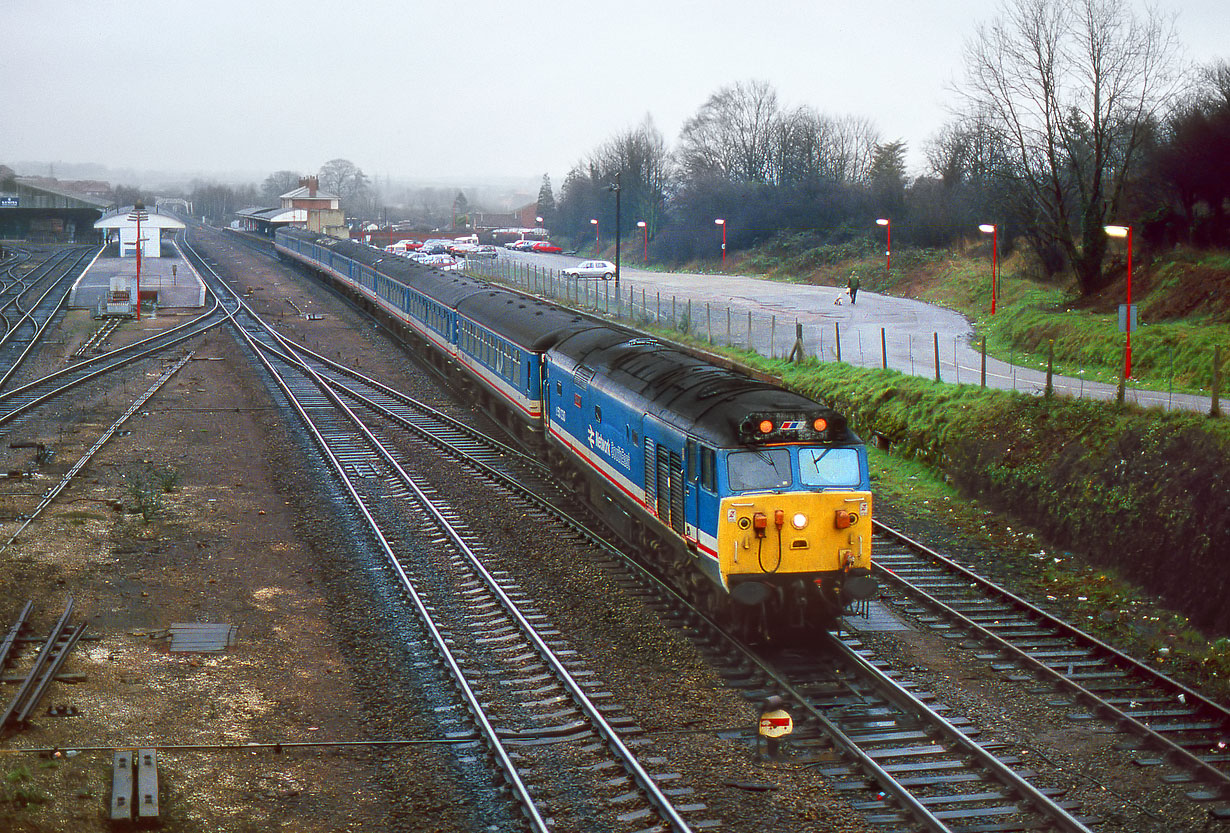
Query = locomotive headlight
x=799 y=520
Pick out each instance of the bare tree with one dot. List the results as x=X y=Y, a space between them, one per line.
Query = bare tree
x=279 y=183
x=732 y=135
x=1070 y=89
x=344 y=178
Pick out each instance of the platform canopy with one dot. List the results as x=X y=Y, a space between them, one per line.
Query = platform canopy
x=125 y=223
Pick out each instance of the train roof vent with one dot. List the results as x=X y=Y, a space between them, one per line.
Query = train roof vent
x=642 y=342
x=582 y=376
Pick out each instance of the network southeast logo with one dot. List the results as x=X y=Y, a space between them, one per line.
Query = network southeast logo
x=604 y=445
x=792 y=425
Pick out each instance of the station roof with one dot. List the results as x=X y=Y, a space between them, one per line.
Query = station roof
x=119 y=219
x=275 y=215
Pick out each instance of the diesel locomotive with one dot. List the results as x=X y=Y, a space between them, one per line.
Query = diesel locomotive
x=754 y=499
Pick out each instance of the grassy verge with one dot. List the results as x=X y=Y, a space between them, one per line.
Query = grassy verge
x=1183 y=310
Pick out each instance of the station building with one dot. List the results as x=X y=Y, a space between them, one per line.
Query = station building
x=305 y=207
x=121 y=226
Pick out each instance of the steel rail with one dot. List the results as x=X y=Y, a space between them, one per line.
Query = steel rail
x=519 y=788
x=43 y=656
x=52 y=493
x=1178 y=755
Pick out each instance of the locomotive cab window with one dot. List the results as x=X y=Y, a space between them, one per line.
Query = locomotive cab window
x=819 y=466
x=693 y=462
x=764 y=469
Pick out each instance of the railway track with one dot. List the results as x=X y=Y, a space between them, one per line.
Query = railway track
x=558 y=741
x=1169 y=722
x=28 y=305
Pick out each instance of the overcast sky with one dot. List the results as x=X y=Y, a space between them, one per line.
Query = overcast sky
x=460 y=92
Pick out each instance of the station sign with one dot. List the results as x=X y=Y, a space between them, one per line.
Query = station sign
x=10 y=202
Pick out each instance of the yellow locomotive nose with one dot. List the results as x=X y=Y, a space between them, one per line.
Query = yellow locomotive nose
x=810 y=533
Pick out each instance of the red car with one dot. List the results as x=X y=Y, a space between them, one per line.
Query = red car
x=546 y=248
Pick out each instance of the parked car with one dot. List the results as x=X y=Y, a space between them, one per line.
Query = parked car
x=519 y=245
x=592 y=269
x=462 y=249
x=545 y=247
x=484 y=252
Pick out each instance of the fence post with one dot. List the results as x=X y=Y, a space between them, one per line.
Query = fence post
x=984 y=361
x=691 y=326
x=1050 y=370
x=708 y=323
x=674 y=316
x=729 y=337
x=883 y=349
x=773 y=336
x=1215 y=410
x=837 y=336
x=796 y=352
x=937 y=356
x=750 y=349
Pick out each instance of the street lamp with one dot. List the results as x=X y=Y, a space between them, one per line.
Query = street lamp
x=993 y=230
x=644 y=227
x=614 y=186
x=722 y=223
x=1126 y=231
x=538 y=222
x=888 y=251
x=138 y=213
x=597 y=248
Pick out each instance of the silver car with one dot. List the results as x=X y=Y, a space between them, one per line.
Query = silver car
x=592 y=269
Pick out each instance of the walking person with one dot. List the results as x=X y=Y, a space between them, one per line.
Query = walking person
x=852 y=286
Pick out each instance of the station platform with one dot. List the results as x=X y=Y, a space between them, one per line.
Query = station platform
x=169 y=278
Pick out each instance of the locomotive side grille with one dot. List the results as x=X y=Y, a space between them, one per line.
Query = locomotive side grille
x=676 y=471
x=664 y=484
x=651 y=480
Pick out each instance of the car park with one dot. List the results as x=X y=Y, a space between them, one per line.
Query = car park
x=591 y=269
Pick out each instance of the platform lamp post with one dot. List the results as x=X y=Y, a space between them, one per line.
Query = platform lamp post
x=1126 y=231
x=993 y=230
x=888 y=244
x=138 y=214
x=722 y=223
x=597 y=240
x=644 y=227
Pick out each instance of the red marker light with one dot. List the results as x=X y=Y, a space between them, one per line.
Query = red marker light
x=766 y=425
x=821 y=424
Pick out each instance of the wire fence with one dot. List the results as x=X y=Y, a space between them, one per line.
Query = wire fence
x=952 y=358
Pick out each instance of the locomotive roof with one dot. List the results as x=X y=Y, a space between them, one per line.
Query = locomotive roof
x=683 y=390
x=528 y=322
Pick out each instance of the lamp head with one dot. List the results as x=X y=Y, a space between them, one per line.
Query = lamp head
x=881 y=222
x=986 y=228
x=1116 y=231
